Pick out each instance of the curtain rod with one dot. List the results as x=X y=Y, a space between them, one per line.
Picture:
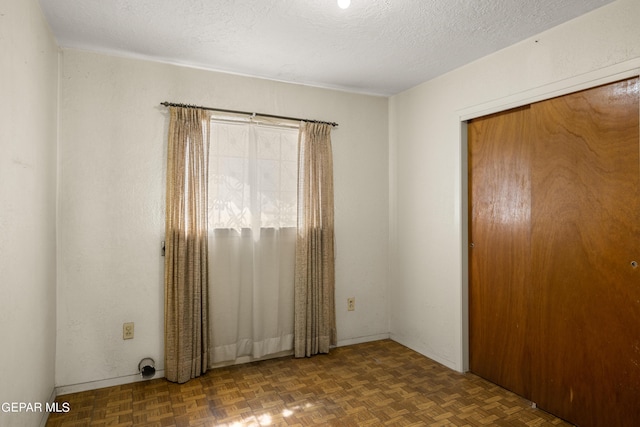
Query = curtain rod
x=271 y=116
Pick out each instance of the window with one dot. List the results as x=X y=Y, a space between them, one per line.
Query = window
x=252 y=239
x=252 y=176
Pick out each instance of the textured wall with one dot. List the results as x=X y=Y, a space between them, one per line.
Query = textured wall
x=28 y=90
x=112 y=166
x=428 y=302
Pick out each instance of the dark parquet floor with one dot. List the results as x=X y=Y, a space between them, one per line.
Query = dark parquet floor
x=379 y=383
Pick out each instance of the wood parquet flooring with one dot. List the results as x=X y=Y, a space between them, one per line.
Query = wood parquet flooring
x=379 y=383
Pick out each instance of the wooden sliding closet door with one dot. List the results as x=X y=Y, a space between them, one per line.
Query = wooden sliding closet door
x=585 y=236
x=500 y=205
x=554 y=290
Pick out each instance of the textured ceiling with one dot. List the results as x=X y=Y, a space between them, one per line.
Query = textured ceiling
x=378 y=47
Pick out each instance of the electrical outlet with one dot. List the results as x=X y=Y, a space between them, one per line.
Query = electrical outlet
x=127 y=331
x=351 y=304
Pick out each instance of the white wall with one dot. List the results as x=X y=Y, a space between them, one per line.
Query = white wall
x=112 y=166
x=429 y=269
x=28 y=132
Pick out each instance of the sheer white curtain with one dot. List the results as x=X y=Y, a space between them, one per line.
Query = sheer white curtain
x=252 y=240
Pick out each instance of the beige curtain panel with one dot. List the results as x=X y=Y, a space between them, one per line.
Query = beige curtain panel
x=186 y=258
x=315 y=319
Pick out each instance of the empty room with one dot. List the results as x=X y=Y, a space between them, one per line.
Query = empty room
x=319 y=212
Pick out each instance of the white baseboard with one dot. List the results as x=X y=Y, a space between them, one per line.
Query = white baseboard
x=128 y=379
x=360 y=340
x=109 y=382
x=45 y=415
x=400 y=339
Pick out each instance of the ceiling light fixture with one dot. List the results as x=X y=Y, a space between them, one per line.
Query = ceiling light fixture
x=344 y=3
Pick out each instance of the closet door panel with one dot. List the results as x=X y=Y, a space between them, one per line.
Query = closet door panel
x=500 y=206
x=585 y=235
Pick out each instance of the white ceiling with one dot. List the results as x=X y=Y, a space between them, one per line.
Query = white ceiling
x=377 y=47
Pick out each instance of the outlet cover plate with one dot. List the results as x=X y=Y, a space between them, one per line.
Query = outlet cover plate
x=127 y=331
x=351 y=304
